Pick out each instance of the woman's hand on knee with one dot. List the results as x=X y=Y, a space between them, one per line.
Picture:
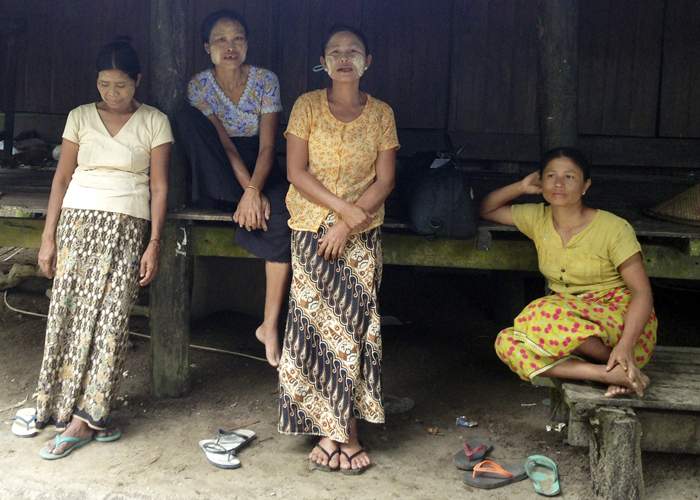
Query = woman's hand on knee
x=623 y=355
x=249 y=213
x=47 y=258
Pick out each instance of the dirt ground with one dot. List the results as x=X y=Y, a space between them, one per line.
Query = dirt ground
x=441 y=358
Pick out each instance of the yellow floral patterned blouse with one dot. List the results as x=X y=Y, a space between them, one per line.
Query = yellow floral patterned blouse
x=342 y=156
x=589 y=262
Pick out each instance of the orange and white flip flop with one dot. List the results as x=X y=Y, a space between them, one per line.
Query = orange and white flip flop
x=488 y=474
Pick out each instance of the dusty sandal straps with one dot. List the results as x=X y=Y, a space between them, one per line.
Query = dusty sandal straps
x=217 y=448
x=327 y=467
x=488 y=474
x=224 y=434
x=219 y=456
x=490 y=467
x=544 y=473
x=351 y=471
x=475 y=453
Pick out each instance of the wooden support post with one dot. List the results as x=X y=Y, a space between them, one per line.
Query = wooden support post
x=557 y=83
x=10 y=29
x=615 y=454
x=170 y=292
x=170 y=314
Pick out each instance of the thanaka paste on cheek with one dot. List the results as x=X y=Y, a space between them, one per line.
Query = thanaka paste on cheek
x=217 y=55
x=357 y=61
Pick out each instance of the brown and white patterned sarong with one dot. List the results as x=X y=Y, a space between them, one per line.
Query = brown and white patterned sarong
x=95 y=286
x=330 y=369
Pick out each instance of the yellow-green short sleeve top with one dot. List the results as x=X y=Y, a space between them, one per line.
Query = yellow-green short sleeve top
x=590 y=260
x=342 y=156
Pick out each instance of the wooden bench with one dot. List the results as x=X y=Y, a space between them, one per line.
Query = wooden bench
x=670 y=251
x=616 y=430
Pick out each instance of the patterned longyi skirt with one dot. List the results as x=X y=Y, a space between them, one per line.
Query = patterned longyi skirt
x=95 y=286
x=330 y=369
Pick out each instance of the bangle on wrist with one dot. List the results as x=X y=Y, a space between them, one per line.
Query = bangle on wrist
x=250 y=186
x=156 y=240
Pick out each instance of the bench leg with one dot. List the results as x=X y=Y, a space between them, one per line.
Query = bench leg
x=615 y=454
x=170 y=314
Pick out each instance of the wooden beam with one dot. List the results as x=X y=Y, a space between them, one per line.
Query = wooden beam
x=602 y=150
x=557 y=82
x=23 y=233
x=170 y=292
x=662 y=260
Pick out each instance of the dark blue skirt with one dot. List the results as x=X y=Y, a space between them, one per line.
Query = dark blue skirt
x=214 y=185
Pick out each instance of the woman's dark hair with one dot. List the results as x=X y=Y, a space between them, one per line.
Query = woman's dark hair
x=574 y=155
x=337 y=28
x=215 y=17
x=119 y=54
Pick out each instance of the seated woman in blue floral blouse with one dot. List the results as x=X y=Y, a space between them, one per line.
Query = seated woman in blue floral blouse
x=228 y=134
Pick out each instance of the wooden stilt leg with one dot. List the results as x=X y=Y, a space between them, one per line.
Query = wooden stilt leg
x=615 y=454
x=170 y=314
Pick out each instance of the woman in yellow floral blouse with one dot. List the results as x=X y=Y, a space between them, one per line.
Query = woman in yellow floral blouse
x=341 y=149
x=599 y=323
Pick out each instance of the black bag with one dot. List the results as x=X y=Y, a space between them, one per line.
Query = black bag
x=437 y=201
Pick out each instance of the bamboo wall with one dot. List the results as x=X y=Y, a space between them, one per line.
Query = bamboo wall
x=467 y=66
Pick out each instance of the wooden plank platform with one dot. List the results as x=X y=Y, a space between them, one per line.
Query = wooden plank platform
x=675 y=384
x=668 y=415
x=670 y=250
x=32 y=205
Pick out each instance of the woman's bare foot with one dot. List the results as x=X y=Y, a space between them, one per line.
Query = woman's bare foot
x=325 y=454
x=78 y=429
x=269 y=337
x=351 y=459
x=617 y=390
x=633 y=379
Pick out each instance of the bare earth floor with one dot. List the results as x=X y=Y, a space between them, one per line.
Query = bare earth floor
x=441 y=361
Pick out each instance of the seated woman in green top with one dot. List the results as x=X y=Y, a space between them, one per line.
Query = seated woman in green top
x=599 y=323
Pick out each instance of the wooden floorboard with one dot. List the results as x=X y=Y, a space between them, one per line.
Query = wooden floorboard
x=675 y=384
x=24 y=194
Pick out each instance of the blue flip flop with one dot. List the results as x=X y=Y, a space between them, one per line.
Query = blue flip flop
x=47 y=454
x=112 y=436
x=544 y=473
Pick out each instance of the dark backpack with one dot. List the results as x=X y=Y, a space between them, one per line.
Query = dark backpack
x=437 y=201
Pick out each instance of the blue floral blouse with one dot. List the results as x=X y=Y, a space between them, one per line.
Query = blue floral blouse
x=260 y=96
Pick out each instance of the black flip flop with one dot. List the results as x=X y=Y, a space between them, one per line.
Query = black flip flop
x=488 y=474
x=351 y=471
x=325 y=468
x=468 y=457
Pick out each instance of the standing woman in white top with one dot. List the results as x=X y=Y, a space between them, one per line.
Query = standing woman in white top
x=111 y=180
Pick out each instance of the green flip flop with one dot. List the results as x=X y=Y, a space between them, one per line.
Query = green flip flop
x=544 y=473
x=47 y=454
x=111 y=435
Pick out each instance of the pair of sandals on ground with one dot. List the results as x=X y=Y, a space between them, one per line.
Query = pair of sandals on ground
x=485 y=473
x=222 y=452
x=24 y=425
